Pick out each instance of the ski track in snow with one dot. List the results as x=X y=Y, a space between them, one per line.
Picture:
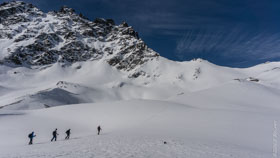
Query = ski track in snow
x=109 y=146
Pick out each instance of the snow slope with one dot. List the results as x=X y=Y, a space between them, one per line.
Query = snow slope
x=137 y=128
x=200 y=109
x=97 y=81
x=60 y=70
x=235 y=95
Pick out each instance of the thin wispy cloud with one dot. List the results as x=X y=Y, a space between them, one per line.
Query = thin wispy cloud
x=229 y=44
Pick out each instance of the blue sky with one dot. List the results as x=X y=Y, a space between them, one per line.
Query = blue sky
x=236 y=33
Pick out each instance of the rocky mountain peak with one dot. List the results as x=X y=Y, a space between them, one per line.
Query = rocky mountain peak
x=30 y=37
x=13 y=12
x=66 y=10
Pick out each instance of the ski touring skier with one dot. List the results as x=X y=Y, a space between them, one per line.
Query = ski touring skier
x=55 y=134
x=68 y=134
x=31 y=136
x=98 y=130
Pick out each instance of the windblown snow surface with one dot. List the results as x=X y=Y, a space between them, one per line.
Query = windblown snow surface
x=200 y=109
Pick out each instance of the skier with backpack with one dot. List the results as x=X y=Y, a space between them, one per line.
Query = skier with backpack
x=55 y=134
x=31 y=136
x=68 y=134
x=98 y=130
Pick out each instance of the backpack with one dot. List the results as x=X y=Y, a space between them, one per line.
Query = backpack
x=30 y=135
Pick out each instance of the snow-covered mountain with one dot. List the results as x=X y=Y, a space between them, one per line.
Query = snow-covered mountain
x=30 y=37
x=59 y=58
x=110 y=77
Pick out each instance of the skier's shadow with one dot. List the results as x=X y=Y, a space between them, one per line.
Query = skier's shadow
x=73 y=138
x=57 y=141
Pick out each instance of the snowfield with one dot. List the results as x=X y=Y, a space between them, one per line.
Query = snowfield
x=200 y=109
x=137 y=128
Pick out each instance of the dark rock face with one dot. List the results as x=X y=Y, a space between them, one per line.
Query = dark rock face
x=102 y=21
x=39 y=38
x=22 y=38
x=13 y=12
x=131 y=32
x=66 y=10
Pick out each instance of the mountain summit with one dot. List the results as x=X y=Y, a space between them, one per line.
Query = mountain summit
x=32 y=37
